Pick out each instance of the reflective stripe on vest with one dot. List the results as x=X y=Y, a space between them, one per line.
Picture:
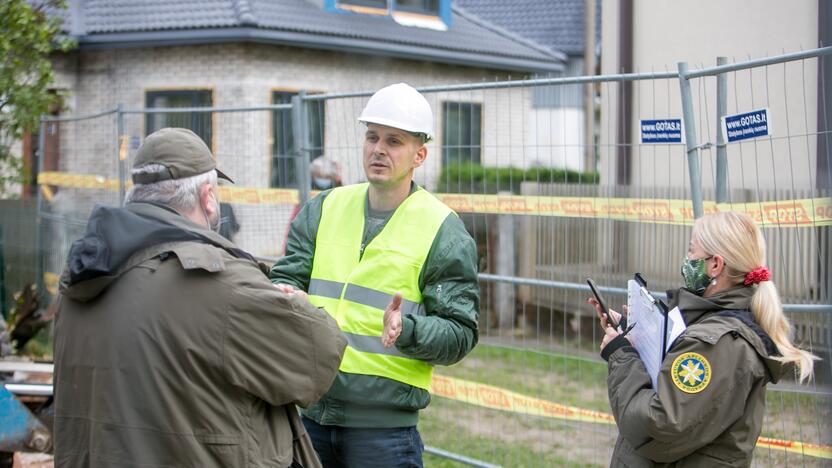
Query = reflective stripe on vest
x=356 y=289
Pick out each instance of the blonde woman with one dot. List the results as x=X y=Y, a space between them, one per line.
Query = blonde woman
x=708 y=410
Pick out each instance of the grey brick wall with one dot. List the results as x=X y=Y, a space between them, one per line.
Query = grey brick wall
x=246 y=75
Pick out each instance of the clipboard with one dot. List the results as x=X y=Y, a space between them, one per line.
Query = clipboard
x=654 y=327
x=662 y=307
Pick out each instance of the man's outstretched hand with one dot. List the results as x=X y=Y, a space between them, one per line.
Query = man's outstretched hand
x=392 y=322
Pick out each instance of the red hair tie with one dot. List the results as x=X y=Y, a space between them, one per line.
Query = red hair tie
x=757 y=275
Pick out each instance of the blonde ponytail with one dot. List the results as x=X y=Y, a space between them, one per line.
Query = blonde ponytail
x=736 y=238
x=768 y=312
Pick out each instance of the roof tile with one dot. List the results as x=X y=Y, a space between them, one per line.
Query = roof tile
x=464 y=35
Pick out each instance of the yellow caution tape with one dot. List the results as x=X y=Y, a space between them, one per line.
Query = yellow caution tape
x=240 y=195
x=50 y=280
x=62 y=179
x=809 y=212
x=488 y=396
x=813 y=450
x=47 y=192
x=497 y=398
x=259 y=196
x=788 y=213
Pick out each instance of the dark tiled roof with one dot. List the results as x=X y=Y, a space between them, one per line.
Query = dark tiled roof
x=555 y=24
x=304 y=19
x=101 y=16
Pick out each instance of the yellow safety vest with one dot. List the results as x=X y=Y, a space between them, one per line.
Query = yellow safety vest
x=356 y=288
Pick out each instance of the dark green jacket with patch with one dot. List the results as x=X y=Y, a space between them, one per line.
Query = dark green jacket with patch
x=173 y=349
x=443 y=336
x=718 y=425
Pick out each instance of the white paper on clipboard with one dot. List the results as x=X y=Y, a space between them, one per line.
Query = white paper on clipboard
x=646 y=335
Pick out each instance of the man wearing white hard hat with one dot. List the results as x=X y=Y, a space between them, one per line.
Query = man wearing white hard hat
x=397 y=269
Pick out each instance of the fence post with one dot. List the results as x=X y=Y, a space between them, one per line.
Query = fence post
x=721 y=150
x=505 y=298
x=121 y=153
x=39 y=226
x=694 y=171
x=3 y=277
x=300 y=133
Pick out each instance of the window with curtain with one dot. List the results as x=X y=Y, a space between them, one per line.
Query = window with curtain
x=199 y=122
x=284 y=155
x=382 y=4
x=461 y=132
x=425 y=7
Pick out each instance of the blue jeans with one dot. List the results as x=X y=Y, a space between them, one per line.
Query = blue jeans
x=357 y=447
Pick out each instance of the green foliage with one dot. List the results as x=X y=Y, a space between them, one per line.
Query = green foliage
x=27 y=36
x=474 y=178
x=39 y=347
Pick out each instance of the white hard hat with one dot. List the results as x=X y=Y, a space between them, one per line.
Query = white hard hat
x=399 y=106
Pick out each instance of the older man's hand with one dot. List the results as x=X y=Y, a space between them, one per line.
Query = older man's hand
x=287 y=289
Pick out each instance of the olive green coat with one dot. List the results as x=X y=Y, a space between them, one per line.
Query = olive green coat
x=183 y=354
x=719 y=425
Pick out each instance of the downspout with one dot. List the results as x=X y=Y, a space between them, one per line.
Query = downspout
x=625 y=96
x=824 y=152
x=824 y=176
x=623 y=167
x=589 y=88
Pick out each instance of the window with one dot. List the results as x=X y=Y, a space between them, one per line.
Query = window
x=461 y=132
x=441 y=9
x=284 y=150
x=198 y=122
x=426 y=7
x=364 y=3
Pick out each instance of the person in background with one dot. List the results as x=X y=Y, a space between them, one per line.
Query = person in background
x=326 y=173
x=709 y=405
x=172 y=347
x=397 y=269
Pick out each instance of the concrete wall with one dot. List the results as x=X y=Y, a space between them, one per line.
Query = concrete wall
x=665 y=33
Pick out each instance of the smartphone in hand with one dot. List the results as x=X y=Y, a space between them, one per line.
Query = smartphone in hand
x=601 y=302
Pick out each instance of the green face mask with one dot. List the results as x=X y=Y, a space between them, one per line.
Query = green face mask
x=693 y=271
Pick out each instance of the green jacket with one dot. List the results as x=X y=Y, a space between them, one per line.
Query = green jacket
x=719 y=424
x=173 y=348
x=443 y=336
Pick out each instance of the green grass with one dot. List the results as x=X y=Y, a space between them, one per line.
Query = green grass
x=506 y=439
x=796 y=416
x=561 y=379
x=510 y=439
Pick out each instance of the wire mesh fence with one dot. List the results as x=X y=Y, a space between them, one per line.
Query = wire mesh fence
x=546 y=211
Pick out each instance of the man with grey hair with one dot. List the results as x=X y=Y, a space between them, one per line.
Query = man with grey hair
x=172 y=347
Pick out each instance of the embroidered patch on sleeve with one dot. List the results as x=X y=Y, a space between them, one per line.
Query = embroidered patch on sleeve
x=691 y=372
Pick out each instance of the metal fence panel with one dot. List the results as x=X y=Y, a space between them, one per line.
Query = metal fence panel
x=546 y=212
x=83 y=172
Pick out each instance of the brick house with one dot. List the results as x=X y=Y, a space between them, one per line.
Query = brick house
x=245 y=53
